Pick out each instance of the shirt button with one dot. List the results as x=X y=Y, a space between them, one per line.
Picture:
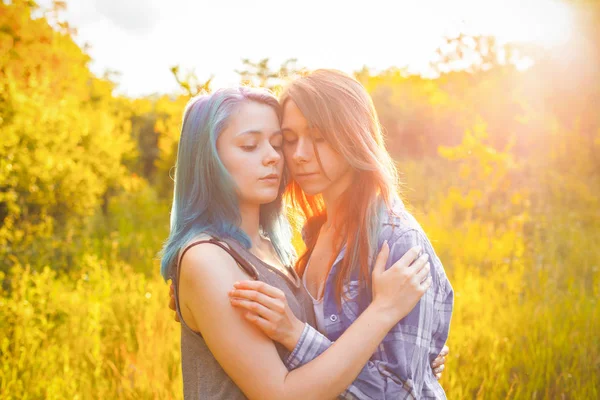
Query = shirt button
x=333 y=317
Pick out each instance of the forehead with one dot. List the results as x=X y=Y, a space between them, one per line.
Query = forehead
x=252 y=111
x=251 y=116
x=293 y=117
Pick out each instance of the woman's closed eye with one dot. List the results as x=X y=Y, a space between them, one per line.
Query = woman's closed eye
x=248 y=147
x=277 y=143
x=289 y=138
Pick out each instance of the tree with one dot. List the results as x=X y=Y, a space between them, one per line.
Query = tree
x=260 y=74
x=64 y=137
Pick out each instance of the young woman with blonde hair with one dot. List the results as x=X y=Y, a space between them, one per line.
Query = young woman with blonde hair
x=343 y=186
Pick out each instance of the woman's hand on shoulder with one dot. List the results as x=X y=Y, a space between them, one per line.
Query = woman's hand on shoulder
x=398 y=289
x=267 y=308
x=245 y=353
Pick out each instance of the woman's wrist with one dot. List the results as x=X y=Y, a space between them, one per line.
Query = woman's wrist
x=292 y=339
x=383 y=315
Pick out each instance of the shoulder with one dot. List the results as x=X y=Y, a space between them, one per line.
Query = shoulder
x=403 y=232
x=207 y=262
x=397 y=224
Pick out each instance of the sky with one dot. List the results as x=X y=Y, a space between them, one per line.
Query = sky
x=142 y=39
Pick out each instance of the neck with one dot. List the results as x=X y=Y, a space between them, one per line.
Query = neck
x=250 y=214
x=332 y=196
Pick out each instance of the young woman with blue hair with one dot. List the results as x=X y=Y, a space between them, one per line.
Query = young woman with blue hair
x=227 y=226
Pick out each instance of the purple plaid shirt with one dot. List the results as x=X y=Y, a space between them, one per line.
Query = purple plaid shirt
x=401 y=366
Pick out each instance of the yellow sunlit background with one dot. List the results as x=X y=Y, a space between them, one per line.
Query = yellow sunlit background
x=490 y=108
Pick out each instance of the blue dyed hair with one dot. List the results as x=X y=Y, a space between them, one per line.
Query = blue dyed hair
x=205 y=199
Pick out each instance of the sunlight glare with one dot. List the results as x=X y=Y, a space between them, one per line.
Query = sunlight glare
x=553 y=23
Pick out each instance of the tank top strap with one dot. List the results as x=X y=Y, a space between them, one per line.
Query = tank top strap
x=240 y=261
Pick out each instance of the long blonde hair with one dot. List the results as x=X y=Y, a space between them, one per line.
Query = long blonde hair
x=341 y=109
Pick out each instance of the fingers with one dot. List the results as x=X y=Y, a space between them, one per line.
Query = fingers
x=420 y=263
x=426 y=285
x=440 y=360
x=445 y=351
x=261 y=287
x=254 y=308
x=381 y=259
x=423 y=273
x=274 y=304
x=438 y=364
x=172 y=304
x=260 y=322
x=408 y=258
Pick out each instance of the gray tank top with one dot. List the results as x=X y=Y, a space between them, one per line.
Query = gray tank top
x=203 y=377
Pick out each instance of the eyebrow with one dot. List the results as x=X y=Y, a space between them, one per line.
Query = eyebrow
x=304 y=128
x=257 y=132
x=312 y=132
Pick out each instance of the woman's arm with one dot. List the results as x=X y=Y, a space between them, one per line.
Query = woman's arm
x=437 y=365
x=249 y=357
x=418 y=339
x=401 y=366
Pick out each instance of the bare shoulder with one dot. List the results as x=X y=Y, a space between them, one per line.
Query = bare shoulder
x=196 y=239
x=209 y=261
x=207 y=274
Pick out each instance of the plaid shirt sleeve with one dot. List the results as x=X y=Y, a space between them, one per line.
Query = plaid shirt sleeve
x=400 y=368
x=310 y=345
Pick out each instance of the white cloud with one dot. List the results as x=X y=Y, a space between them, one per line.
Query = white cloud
x=142 y=39
x=135 y=16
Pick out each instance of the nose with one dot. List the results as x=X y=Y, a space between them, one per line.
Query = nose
x=303 y=151
x=272 y=157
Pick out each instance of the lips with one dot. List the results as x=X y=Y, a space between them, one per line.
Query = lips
x=306 y=175
x=270 y=177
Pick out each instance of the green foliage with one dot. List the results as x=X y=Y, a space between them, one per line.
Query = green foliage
x=101 y=333
x=63 y=138
x=500 y=166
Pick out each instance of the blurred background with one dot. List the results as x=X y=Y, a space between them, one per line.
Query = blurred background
x=491 y=110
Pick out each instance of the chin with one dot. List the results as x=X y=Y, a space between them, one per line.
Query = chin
x=265 y=198
x=312 y=190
